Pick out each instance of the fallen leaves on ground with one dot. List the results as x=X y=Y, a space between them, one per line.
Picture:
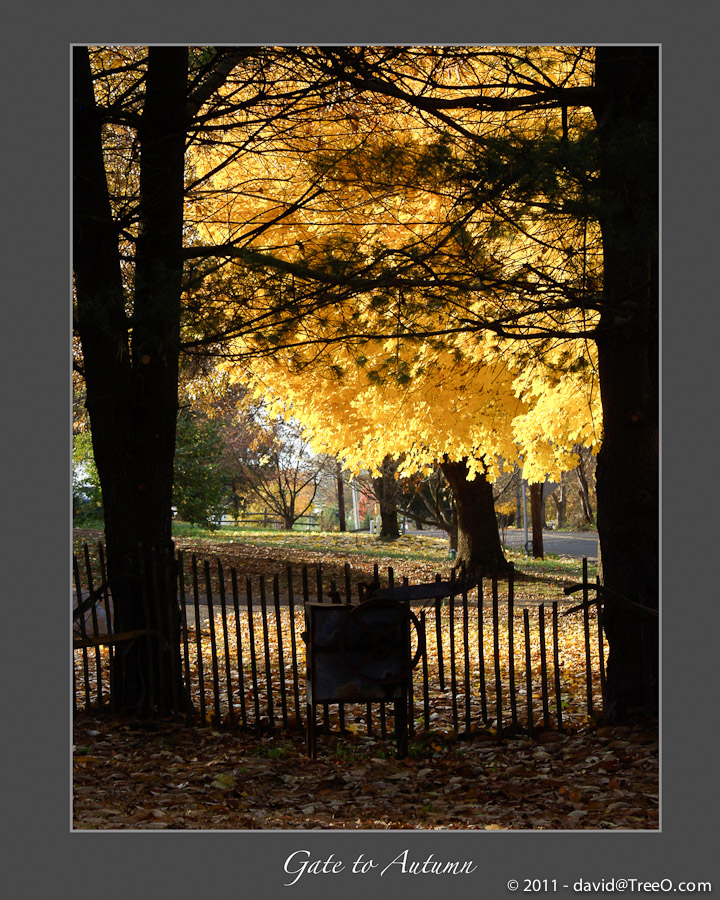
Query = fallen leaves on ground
x=263 y=682
x=454 y=699
x=166 y=775
x=160 y=774
x=415 y=557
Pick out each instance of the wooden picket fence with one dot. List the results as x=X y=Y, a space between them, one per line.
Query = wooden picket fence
x=487 y=661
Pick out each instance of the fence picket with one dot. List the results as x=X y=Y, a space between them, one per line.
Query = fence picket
x=293 y=644
x=601 y=648
x=466 y=649
x=81 y=623
x=94 y=619
x=278 y=643
x=528 y=671
x=183 y=621
x=481 y=652
x=266 y=643
x=213 y=644
x=198 y=638
x=238 y=644
x=425 y=680
x=438 y=636
x=410 y=693
x=556 y=666
x=496 y=650
x=110 y=623
x=335 y=597
x=253 y=654
x=226 y=642
x=453 y=667
x=543 y=667
x=511 y=645
x=281 y=655
x=586 y=629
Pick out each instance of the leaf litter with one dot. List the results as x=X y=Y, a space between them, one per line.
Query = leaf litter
x=163 y=774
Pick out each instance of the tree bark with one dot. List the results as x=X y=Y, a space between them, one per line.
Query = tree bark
x=341 y=496
x=385 y=488
x=627 y=341
x=131 y=365
x=518 y=497
x=478 y=539
x=454 y=531
x=559 y=498
x=536 y=505
x=584 y=490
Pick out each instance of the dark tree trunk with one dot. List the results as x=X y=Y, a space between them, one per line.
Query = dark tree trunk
x=584 y=490
x=453 y=533
x=536 y=505
x=627 y=340
x=559 y=498
x=236 y=505
x=585 y=504
x=385 y=488
x=341 y=497
x=478 y=539
x=130 y=365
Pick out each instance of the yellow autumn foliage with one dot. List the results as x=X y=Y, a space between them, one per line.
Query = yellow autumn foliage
x=417 y=404
x=464 y=395
x=292 y=181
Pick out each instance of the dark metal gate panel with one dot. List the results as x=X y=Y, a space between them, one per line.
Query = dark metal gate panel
x=344 y=667
x=358 y=654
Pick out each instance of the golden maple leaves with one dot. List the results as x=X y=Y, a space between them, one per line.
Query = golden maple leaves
x=357 y=182
x=465 y=393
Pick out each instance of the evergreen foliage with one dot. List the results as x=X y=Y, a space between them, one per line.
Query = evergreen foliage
x=201 y=481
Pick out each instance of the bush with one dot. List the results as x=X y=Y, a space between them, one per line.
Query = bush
x=329 y=519
x=200 y=488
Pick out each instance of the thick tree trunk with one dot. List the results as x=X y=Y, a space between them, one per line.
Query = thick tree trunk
x=536 y=505
x=584 y=490
x=478 y=539
x=235 y=500
x=559 y=499
x=627 y=341
x=385 y=488
x=518 y=497
x=341 y=496
x=454 y=531
x=131 y=368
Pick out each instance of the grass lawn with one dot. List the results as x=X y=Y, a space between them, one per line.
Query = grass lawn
x=418 y=557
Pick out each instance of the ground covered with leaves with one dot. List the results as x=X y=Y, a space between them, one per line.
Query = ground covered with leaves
x=162 y=774
x=416 y=557
x=167 y=775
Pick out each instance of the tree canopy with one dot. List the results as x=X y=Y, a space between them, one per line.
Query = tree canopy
x=377 y=216
x=434 y=243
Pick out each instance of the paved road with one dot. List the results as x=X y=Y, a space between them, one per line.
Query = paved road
x=563 y=543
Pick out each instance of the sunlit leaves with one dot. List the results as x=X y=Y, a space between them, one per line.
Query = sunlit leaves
x=365 y=225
